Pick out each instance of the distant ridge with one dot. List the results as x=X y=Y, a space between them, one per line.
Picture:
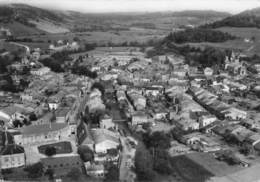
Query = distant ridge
x=248 y=18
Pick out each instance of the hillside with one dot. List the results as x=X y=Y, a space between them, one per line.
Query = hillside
x=23 y=19
x=249 y=18
x=201 y=14
x=23 y=13
x=35 y=20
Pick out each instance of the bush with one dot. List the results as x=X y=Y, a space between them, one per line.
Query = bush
x=157 y=140
x=74 y=174
x=112 y=173
x=50 y=151
x=162 y=162
x=143 y=165
x=35 y=170
x=86 y=154
x=98 y=86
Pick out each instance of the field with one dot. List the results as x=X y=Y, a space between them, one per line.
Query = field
x=49 y=27
x=101 y=38
x=139 y=35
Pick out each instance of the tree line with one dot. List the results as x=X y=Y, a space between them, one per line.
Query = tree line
x=198 y=35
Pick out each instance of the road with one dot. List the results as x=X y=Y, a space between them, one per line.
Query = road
x=127 y=157
x=27 y=48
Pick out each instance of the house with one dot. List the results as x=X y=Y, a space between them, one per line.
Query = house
x=104 y=140
x=154 y=91
x=12 y=156
x=35 y=56
x=208 y=71
x=106 y=122
x=15 y=112
x=112 y=155
x=95 y=170
x=139 y=118
x=96 y=104
x=40 y=72
x=201 y=142
x=206 y=120
x=35 y=134
x=234 y=113
x=159 y=113
x=62 y=164
x=26 y=97
x=180 y=72
x=62 y=114
x=138 y=100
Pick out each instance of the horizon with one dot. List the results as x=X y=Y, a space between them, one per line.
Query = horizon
x=145 y=6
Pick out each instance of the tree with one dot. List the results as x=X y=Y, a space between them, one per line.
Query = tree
x=76 y=39
x=50 y=173
x=112 y=173
x=74 y=174
x=35 y=170
x=17 y=123
x=143 y=165
x=86 y=154
x=98 y=86
x=162 y=161
x=24 y=83
x=50 y=151
x=199 y=35
x=157 y=140
x=32 y=117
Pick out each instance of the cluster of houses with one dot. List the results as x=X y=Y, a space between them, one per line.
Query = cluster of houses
x=201 y=106
x=61 y=45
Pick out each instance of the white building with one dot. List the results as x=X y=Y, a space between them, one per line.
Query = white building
x=40 y=72
x=40 y=134
x=95 y=170
x=208 y=71
x=206 y=120
x=106 y=122
x=104 y=140
x=234 y=113
x=139 y=118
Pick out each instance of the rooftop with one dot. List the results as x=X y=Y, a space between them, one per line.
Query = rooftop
x=44 y=128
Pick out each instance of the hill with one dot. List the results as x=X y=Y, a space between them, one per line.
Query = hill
x=39 y=21
x=23 y=19
x=201 y=14
x=249 y=18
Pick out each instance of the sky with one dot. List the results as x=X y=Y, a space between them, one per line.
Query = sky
x=231 y=6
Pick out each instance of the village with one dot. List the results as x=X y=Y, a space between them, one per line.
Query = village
x=65 y=124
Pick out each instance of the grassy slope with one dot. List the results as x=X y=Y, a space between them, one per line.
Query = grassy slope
x=19 y=29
